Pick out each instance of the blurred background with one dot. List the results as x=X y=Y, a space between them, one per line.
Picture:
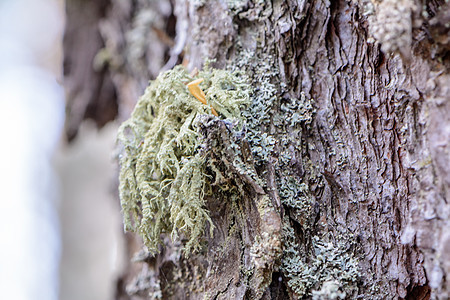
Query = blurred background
x=60 y=224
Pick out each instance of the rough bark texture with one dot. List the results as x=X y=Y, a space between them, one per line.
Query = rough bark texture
x=344 y=183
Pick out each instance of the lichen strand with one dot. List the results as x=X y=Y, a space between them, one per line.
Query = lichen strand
x=162 y=179
x=331 y=268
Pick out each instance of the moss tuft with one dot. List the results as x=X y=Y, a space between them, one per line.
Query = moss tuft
x=162 y=178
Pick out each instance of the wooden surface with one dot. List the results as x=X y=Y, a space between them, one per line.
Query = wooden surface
x=361 y=136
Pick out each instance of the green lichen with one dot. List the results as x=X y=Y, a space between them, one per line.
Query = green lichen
x=296 y=195
x=264 y=73
x=236 y=6
x=328 y=263
x=162 y=176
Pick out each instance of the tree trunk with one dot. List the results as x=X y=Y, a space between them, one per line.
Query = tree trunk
x=347 y=142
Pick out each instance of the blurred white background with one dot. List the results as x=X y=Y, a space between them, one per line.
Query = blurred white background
x=31 y=120
x=42 y=256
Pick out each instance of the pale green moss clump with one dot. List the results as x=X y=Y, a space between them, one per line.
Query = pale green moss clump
x=162 y=176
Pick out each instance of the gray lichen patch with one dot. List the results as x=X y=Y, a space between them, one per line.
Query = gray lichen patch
x=331 y=267
x=162 y=176
x=260 y=66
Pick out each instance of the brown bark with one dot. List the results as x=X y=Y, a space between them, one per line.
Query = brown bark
x=89 y=90
x=362 y=169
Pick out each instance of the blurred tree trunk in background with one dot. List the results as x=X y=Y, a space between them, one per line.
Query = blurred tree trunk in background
x=352 y=111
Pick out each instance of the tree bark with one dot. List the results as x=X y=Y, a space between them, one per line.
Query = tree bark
x=348 y=140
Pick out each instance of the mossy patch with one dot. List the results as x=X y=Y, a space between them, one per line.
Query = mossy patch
x=162 y=177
